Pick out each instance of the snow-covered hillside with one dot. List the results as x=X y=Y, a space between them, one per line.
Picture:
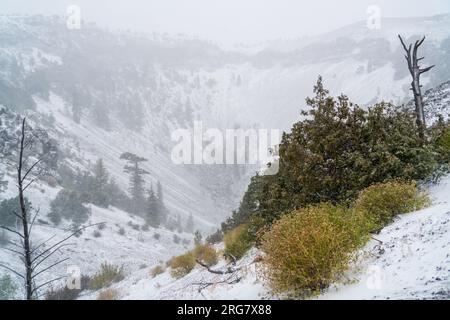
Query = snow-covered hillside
x=437 y=102
x=99 y=93
x=409 y=260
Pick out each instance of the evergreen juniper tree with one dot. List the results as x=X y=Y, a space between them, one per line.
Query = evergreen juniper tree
x=136 y=189
x=334 y=152
x=153 y=216
x=99 y=193
x=161 y=208
x=68 y=204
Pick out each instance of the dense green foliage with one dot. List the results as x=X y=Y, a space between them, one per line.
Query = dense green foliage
x=156 y=212
x=238 y=241
x=337 y=150
x=100 y=189
x=97 y=188
x=7 y=209
x=68 y=204
x=136 y=188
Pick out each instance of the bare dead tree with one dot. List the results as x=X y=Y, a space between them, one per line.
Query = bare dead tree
x=416 y=71
x=229 y=280
x=32 y=257
x=229 y=275
x=229 y=269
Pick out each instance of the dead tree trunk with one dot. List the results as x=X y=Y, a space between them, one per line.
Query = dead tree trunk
x=32 y=257
x=24 y=216
x=416 y=71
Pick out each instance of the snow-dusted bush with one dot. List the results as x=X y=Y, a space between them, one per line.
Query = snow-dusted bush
x=109 y=294
x=182 y=265
x=206 y=254
x=64 y=293
x=381 y=202
x=157 y=270
x=310 y=248
x=107 y=275
x=238 y=241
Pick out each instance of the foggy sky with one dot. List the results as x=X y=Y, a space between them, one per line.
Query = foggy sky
x=228 y=21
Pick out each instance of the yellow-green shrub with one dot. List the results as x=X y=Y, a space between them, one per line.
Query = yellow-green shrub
x=107 y=275
x=157 y=270
x=381 y=202
x=182 y=265
x=108 y=294
x=238 y=241
x=310 y=248
x=206 y=254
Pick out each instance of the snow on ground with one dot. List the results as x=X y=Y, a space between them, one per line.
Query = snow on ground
x=412 y=262
x=133 y=250
x=195 y=285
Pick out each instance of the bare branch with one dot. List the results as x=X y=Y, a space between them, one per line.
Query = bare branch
x=41 y=244
x=233 y=258
x=14 y=244
x=63 y=240
x=13 y=231
x=33 y=221
x=379 y=241
x=228 y=271
x=421 y=41
x=232 y=279
x=29 y=184
x=403 y=43
x=31 y=168
x=12 y=250
x=12 y=270
x=36 y=288
x=425 y=69
x=48 y=256
x=49 y=267
x=16 y=214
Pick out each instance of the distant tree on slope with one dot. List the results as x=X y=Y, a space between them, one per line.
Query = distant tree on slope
x=136 y=188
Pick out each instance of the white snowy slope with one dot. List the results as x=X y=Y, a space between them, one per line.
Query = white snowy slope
x=133 y=248
x=138 y=89
x=437 y=102
x=411 y=262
